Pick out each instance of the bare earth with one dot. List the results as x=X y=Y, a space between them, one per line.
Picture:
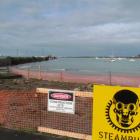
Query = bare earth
x=6 y=134
x=23 y=84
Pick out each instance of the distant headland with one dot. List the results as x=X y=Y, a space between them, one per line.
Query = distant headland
x=10 y=60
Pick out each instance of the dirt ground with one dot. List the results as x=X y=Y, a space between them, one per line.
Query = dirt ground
x=16 y=82
x=23 y=84
x=6 y=134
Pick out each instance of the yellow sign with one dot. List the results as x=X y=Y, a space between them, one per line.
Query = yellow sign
x=116 y=113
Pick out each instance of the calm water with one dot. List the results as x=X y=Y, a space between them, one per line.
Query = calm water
x=88 y=66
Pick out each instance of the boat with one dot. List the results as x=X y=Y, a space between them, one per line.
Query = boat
x=132 y=60
x=119 y=58
x=113 y=60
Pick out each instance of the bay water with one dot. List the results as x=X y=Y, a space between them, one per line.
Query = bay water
x=88 y=66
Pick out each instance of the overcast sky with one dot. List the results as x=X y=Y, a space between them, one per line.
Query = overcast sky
x=69 y=27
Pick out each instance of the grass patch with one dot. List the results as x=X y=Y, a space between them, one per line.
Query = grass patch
x=9 y=76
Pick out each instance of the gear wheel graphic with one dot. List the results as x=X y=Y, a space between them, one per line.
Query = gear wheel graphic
x=107 y=114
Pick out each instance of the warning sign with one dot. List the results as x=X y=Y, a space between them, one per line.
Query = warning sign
x=116 y=113
x=61 y=101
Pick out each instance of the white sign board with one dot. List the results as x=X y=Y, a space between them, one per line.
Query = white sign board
x=62 y=101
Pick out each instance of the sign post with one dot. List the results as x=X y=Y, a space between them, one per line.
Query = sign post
x=116 y=113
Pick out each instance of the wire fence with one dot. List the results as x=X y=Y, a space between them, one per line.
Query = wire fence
x=27 y=110
x=108 y=78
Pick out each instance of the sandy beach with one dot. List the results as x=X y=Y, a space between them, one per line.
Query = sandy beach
x=107 y=79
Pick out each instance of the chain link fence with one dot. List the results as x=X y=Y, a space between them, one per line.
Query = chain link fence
x=27 y=110
x=108 y=78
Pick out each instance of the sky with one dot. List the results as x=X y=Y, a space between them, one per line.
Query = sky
x=70 y=27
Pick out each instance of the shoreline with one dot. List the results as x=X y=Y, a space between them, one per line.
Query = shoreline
x=68 y=77
x=107 y=79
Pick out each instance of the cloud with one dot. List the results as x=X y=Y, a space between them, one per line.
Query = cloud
x=31 y=23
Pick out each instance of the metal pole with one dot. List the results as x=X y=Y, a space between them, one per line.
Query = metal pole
x=110 y=82
x=61 y=76
x=28 y=73
x=39 y=72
